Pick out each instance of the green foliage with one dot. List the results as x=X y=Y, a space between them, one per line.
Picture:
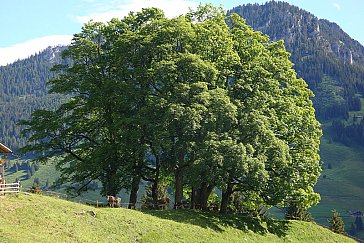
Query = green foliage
x=247 y=204
x=210 y=104
x=162 y=195
x=348 y=134
x=336 y=223
x=297 y=213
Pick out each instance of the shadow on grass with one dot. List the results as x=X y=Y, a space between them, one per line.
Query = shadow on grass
x=215 y=221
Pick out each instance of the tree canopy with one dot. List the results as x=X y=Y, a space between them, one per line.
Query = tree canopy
x=200 y=98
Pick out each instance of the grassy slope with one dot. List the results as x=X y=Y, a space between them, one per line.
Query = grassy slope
x=36 y=218
x=343 y=188
x=45 y=172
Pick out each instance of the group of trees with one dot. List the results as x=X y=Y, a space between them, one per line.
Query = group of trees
x=348 y=133
x=201 y=100
x=30 y=168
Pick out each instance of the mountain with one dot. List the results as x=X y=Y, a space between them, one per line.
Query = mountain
x=23 y=90
x=327 y=58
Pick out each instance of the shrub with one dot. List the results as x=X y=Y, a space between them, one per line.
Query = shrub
x=298 y=213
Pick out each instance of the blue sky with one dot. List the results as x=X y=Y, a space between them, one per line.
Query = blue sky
x=28 y=26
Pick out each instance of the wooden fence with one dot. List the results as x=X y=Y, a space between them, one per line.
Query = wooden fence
x=9 y=188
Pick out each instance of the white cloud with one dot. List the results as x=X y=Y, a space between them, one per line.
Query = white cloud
x=337 y=6
x=99 y=12
x=23 y=50
x=120 y=9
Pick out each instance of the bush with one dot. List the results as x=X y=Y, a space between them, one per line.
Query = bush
x=297 y=213
x=247 y=204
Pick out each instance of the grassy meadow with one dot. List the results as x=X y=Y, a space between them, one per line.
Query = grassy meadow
x=341 y=187
x=341 y=183
x=37 y=218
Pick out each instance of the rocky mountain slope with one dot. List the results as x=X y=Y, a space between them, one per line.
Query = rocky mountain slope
x=329 y=60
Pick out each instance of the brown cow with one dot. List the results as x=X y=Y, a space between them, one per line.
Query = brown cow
x=113 y=201
x=163 y=203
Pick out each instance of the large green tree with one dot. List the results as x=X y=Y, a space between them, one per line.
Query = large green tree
x=201 y=98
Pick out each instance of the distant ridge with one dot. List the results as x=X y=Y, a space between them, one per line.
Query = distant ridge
x=23 y=90
x=329 y=60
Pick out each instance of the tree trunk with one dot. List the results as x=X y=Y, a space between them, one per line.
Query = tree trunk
x=155 y=182
x=110 y=188
x=225 y=198
x=193 y=198
x=204 y=197
x=134 y=192
x=178 y=194
x=155 y=194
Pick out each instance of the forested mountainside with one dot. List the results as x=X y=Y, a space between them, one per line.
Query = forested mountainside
x=23 y=89
x=328 y=59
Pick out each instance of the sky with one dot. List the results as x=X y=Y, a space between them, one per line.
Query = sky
x=29 y=26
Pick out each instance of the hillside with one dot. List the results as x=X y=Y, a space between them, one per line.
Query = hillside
x=24 y=90
x=31 y=218
x=327 y=58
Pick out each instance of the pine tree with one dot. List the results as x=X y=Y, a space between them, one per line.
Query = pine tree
x=29 y=174
x=32 y=169
x=336 y=223
x=352 y=230
x=359 y=223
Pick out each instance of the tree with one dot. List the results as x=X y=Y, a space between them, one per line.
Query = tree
x=359 y=223
x=201 y=98
x=32 y=169
x=16 y=167
x=29 y=174
x=352 y=230
x=148 y=201
x=84 y=127
x=336 y=223
x=277 y=119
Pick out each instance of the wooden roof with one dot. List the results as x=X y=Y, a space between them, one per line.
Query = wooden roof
x=4 y=149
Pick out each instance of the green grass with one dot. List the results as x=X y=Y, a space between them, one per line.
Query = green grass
x=45 y=172
x=341 y=187
x=48 y=172
x=37 y=218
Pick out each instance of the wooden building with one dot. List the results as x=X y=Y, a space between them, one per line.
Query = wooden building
x=3 y=150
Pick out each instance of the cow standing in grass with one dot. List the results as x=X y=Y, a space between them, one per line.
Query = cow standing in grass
x=163 y=203
x=113 y=201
